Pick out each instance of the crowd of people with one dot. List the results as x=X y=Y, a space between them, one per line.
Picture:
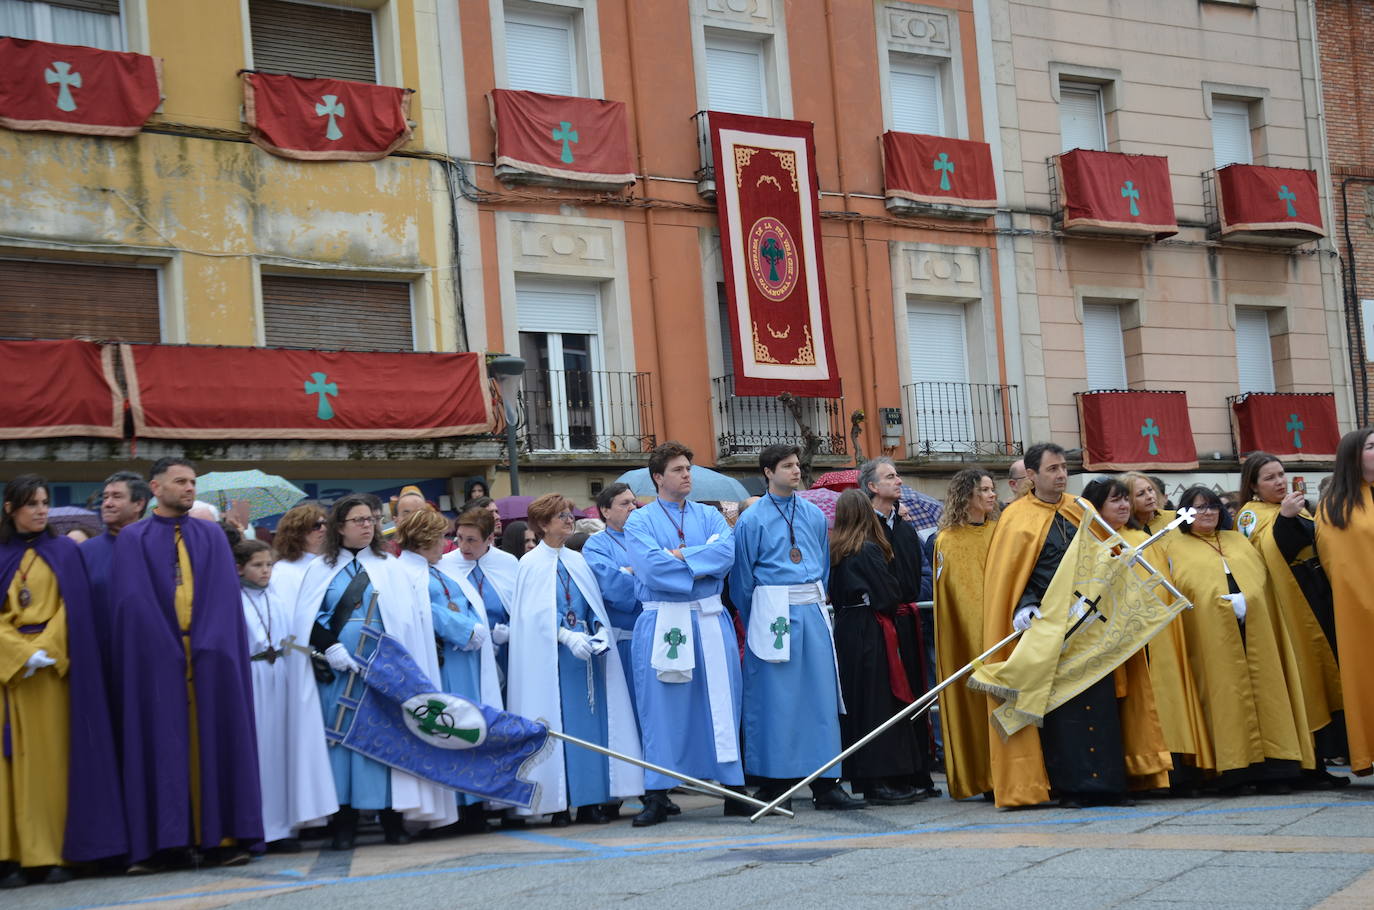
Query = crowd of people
x=174 y=690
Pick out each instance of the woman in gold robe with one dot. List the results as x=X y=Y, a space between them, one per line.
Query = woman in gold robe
x=1147 y=503
x=1277 y=523
x=1345 y=541
x=960 y=556
x=1240 y=654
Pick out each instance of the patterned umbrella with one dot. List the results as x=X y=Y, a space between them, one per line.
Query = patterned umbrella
x=839 y=481
x=925 y=510
x=707 y=485
x=65 y=518
x=823 y=498
x=266 y=494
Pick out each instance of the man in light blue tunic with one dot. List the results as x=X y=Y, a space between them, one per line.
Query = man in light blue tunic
x=684 y=653
x=791 y=690
x=608 y=556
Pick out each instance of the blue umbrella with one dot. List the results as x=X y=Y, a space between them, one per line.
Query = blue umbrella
x=266 y=494
x=707 y=485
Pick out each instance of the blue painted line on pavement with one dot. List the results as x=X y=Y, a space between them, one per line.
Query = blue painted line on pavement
x=592 y=854
x=552 y=840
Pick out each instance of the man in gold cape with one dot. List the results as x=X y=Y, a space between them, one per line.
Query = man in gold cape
x=1032 y=536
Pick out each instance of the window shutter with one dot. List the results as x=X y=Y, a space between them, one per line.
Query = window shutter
x=727 y=350
x=1080 y=118
x=336 y=314
x=539 y=53
x=1254 y=356
x=734 y=76
x=935 y=343
x=66 y=299
x=558 y=309
x=1102 y=346
x=90 y=23
x=914 y=89
x=1231 y=133
x=307 y=40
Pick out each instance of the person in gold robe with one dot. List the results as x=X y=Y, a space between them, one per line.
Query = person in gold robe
x=1147 y=503
x=1277 y=523
x=1099 y=745
x=960 y=554
x=1345 y=540
x=1240 y=653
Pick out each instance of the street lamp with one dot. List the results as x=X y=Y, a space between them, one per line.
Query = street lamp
x=508 y=370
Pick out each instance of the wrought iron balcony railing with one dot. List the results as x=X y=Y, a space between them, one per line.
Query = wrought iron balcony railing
x=586 y=411
x=961 y=418
x=748 y=423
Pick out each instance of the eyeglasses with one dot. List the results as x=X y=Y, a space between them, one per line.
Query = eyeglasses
x=319 y=525
x=1207 y=508
x=362 y=521
x=564 y=516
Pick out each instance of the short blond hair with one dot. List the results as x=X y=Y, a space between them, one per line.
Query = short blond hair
x=421 y=529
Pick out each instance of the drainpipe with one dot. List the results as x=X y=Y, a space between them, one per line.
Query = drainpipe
x=1358 y=376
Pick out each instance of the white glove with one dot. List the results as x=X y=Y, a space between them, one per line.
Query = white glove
x=37 y=661
x=1237 y=602
x=500 y=633
x=601 y=641
x=579 y=644
x=340 y=660
x=479 y=638
x=1022 y=620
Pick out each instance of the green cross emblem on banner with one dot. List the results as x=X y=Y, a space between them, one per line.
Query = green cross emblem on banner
x=772 y=252
x=945 y=167
x=1150 y=431
x=331 y=108
x=674 y=638
x=1130 y=192
x=1288 y=198
x=780 y=627
x=61 y=75
x=565 y=134
x=1296 y=426
x=431 y=717
x=323 y=389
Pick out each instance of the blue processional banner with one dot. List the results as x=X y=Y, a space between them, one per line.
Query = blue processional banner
x=402 y=720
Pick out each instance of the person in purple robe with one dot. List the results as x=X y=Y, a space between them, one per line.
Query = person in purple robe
x=188 y=742
x=59 y=783
x=123 y=500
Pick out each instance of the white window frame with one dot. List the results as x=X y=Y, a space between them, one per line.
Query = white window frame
x=43 y=27
x=542 y=19
x=586 y=35
x=898 y=62
x=557 y=391
x=913 y=418
x=1104 y=383
x=736 y=43
x=419 y=340
x=1265 y=367
x=386 y=41
x=944 y=56
x=1367 y=314
x=769 y=29
x=1083 y=88
x=1222 y=110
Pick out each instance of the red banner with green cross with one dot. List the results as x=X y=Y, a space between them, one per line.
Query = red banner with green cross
x=586 y=140
x=1136 y=431
x=1264 y=199
x=193 y=392
x=68 y=89
x=1293 y=426
x=325 y=119
x=1108 y=192
x=938 y=170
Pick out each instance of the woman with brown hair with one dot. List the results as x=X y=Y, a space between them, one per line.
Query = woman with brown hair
x=865 y=596
x=959 y=557
x=1277 y=523
x=565 y=669
x=1345 y=539
x=299 y=539
x=1147 y=503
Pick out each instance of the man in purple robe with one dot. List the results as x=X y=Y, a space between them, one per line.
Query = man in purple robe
x=188 y=742
x=123 y=500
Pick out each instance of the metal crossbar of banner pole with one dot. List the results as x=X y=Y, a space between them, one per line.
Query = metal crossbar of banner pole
x=922 y=704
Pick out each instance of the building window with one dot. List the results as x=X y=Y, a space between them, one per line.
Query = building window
x=560 y=339
x=64 y=299
x=541 y=51
x=940 y=407
x=1231 y=133
x=1367 y=312
x=916 y=95
x=306 y=39
x=1103 y=348
x=336 y=313
x=92 y=23
x=1254 y=355
x=736 y=75
x=1082 y=124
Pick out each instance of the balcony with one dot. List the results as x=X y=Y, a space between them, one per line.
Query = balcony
x=586 y=411
x=961 y=419
x=749 y=423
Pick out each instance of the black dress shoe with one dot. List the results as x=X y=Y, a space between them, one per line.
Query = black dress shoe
x=393 y=827
x=57 y=875
x=227 y=856
x=560 y=819
x=884 y=795
x=675 y=809
x=512 y=822
x=285 y=845
x=655 y=809
x=593 y=815
x=14 y=878
x=930 y=792
x=344 y=828
x=837 y=799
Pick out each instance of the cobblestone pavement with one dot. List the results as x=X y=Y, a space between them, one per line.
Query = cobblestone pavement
x=1302 y=850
